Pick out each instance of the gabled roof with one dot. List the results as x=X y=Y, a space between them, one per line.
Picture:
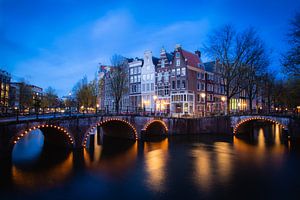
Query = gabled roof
x=192 y=59
x=169 y=56
x=155 y=60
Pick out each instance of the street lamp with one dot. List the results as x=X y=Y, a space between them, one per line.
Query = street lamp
x=97 y=106
x=203 y=97
x=223 y=99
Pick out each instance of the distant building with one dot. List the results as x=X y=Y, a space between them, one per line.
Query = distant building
x=148 y=81
x=135 y=97
x=185 y=69
x=35 y=92
x=5 y=78
x=162 y=83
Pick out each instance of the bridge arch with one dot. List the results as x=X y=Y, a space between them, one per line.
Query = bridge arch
x=62 y=133
x=106 y=122
x=156 y=124
x=243 y=121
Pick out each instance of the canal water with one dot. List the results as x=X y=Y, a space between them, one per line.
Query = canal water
x=260 y=164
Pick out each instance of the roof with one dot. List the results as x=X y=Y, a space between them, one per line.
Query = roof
x=169 y=56
x=209 y=66
x=155 y=60
x=192 y=59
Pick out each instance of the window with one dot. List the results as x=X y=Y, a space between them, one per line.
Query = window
x=135 y=79
x=162 y=63
x=173 y=85
x=139 y=78
x=198 y=75
x=178 y=84
x=131 y=71
x=148 y=87
x=148 y=77
x=138 y=70
x=159 y=76
x=134 y=70
x=131 y=79
x=198 y=97
x=166 y=77
x=183 y=84
x=173 y=72
x=202 y=76
x=177 y=55
x=143 y=87
x=152 y=86
x=202 y=86
x=198 y=86
x=144 y=77
x=151 y=77
x=177 y=62
x=183 y=71
x=178 y=71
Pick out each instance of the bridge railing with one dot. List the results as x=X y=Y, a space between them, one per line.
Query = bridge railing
x=54 y=112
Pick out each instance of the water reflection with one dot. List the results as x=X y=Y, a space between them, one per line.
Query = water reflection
x=36 y=165
x=28 y=148
x=188 y=167
x=262 y=143
x=156 y=157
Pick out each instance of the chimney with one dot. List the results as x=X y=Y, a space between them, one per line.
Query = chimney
x=198 y=53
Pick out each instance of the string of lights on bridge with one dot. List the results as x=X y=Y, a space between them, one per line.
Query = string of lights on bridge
x=255 y=118
x=61 y=129
x=92 y=129
x=156 y=120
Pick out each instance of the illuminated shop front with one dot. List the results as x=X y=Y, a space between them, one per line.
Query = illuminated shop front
x=182 y=103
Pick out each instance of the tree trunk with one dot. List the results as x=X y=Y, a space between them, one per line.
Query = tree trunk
x=250 y=104
x=117 y=106
x=228 y=106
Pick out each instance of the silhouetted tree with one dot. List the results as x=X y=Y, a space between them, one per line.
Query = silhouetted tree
x=239 y=54
x=118 y=79
x=291 y=59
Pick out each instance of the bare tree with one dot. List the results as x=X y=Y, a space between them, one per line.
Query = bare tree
x=237 y=53
x=118 y=79
x=25 y=95
x=291 y=60
x=50 y=98
x=84 y=94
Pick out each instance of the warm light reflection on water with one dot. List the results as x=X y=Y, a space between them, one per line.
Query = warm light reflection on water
x=43 y=178
x=177 y=167
x=156 y=157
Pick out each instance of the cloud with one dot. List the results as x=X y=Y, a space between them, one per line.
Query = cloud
x=78 y=52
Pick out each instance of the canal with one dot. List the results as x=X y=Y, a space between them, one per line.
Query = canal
x=259 y=164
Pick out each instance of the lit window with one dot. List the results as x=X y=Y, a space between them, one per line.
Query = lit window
x=173 y=72
x=178 y=71
x=183 y=71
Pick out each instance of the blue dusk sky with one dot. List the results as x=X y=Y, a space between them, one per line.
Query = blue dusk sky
x=57 y=42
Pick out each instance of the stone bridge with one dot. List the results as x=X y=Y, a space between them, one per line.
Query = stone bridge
x=74 y=131
x=237 y=121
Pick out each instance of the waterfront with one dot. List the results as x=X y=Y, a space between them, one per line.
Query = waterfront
x=265 y=165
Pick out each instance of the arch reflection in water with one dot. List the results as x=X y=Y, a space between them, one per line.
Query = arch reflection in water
x=39 y=165
x=260 y=143
x=28 y=148
x=156 y=157
x=113 y=159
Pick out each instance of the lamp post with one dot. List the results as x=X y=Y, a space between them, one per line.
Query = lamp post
x=223 y=99
x=203 y=96
x=97 y=107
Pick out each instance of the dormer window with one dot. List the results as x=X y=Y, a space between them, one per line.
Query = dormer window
x=177 y=55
